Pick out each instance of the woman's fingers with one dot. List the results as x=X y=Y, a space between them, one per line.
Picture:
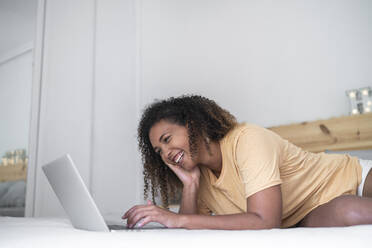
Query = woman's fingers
x=174 y=168
x=181 y=173
x=145 y=221
x=128 y=212
x=187 y=177
x=134 y=208
x=144 y=214
x=149 y=212
x=132 y=221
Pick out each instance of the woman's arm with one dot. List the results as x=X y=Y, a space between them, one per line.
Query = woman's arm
x=189 y=203
x=264 y=210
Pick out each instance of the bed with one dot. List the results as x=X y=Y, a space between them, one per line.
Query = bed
x=50 y=232
x=331 y=134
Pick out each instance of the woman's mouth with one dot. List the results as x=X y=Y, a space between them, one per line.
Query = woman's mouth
x=178 y=157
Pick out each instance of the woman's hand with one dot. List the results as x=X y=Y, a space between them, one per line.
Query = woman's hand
x=143 y=214
x=188 y=178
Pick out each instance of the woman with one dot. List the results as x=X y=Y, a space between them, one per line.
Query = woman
x=241 y=176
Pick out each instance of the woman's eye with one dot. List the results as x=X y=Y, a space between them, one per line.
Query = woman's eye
x=167 y=139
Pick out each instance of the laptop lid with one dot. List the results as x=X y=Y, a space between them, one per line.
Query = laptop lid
x=73 y=195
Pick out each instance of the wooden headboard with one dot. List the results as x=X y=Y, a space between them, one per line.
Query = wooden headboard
x=13 y=172
x=337 y=134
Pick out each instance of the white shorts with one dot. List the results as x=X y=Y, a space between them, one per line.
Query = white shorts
x=366 y=166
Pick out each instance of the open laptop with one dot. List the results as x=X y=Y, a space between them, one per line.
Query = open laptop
x=75 y=198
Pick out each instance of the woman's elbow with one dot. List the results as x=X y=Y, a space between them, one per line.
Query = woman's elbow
x=271 y=223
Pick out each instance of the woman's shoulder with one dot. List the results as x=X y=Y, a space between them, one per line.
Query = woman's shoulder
x=247 y=133
x=244 y=128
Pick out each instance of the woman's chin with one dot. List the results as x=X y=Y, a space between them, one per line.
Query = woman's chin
x=188 y=167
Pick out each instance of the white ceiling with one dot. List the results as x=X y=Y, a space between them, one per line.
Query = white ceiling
x=17 y=24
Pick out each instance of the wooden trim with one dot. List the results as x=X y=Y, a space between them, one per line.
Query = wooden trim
x=342 y=133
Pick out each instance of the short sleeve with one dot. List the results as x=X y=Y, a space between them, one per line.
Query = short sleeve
x=257 y=154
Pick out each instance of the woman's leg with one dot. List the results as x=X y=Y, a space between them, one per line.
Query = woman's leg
x=345 y=210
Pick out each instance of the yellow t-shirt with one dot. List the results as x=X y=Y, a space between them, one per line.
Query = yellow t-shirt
x=255 y=158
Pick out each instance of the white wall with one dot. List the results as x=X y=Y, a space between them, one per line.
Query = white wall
x=268 y=62
x=15 y=101
x=115 y=159
x=17 y=23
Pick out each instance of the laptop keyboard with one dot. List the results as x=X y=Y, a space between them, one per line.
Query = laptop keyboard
x=118 y=227
x=136 y=229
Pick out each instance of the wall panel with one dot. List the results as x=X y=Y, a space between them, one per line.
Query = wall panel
x=115 y=157
x=66 y=94
x=88 y=104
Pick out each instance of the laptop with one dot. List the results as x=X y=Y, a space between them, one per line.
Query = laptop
x=76 y=200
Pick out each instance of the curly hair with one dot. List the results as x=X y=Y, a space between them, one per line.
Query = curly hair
x=204 y=120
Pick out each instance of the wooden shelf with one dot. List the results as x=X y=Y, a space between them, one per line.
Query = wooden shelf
x=342 y=133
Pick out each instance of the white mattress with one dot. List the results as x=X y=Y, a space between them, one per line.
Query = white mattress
x=47 y=232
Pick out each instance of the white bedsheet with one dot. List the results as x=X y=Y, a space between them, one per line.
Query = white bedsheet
x=47 y=232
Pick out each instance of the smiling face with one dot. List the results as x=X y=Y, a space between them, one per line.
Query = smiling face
x=171 y=142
